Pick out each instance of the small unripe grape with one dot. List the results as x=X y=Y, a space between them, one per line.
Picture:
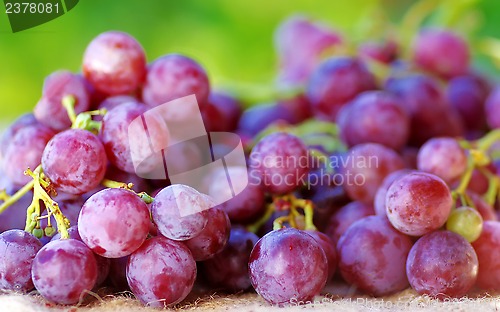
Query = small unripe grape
x=465 y=221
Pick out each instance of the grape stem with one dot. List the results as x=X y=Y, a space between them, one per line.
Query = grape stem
x=148 y=199
x=83 y=120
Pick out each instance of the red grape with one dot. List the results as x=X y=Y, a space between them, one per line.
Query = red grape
x=418 y=203
x=366 y=167
x=20 y=123
x=75 y=161
x=492 y=107
x=441 y=52
x=50 y=110
x=174 y=76
x=487 y=247
x=288 y=264
x=335 y=82
x=229 y=268
x=443 y=157
x=261 y=116
x=280 y=162
x=161 y=272
x=372 y=256
x=381 y=51
x=180 y=212
x=329 y=247
x=376 y=117
x=64 y=270
x=17 y=251
x=114 y=222
x=212 y=238
x=379 y=201
x=114 y=63
x=345 y=216
x=442 y=264
x=221 y=113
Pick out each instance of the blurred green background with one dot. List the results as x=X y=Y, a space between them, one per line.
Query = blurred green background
x=233 y=39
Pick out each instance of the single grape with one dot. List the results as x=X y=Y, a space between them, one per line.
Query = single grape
x=114 y=63
x=228 y=269
x=486 y=211
x=465 y=221
x=20 y=123
x=288 y=263
x=247 y=206
x=335 y=82
x=385 y=51
x=418 y=203
x=492 y=106
x=366 y=167
x=372 y=256
x=299 y=108
x=280 y=161
x=327 y=201
x=15 y=216
x=175 y=76
x=344 y=217
x=113 y=101
x=114 y=222
x=442 y=264
x=297 y=61
x=161 y=273
x=423 y=99
x=118 y=273
x=213 y=238
x=221 y=113
x=443 y=157
x=379 y=201
x=467 y=95
x=17 y=251
x=329 y=247
x=50 y=110
x=180 y=212
x=375 y=117
x=487 y=248
x=75 y=161
x=119 y=141
x=441 y=52
x=261 y=116
x=64 y=270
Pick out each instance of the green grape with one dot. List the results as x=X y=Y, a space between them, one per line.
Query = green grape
x=465 y=221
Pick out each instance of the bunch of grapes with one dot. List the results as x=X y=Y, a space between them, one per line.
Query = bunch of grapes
x=377 y=165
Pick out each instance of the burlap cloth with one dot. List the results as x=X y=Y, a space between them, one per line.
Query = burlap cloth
x=337 y=298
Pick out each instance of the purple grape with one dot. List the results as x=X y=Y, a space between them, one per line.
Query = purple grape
x=49 y=110
x=375 y=117
x=379 y=201
x=467 y=95
x=286 y=264
x=221 y=113
x=441 y=52
x=487 y=248
x=345 y=216
x=17 y=251
x=114 y=223
x=261 y=116
x=366 y=167
x=372 y=256
x=114 y=63
x=20 y=123
x=279 y=161
x=64 y=270
x=430 y=115
x=329 y=247
x=228 y=269
x=327 y=201
x=335 y=82
x=180 y=212
x=118 y=273
x=301 y=44
x=418 y=203
x=174 y=76
x=443 y=157
x=442 y=264
x=492 y=107
x=161 y=273
x=247 y=206
x=113 y=101
x=75 y=161
x=213 y=238
x=15 y=216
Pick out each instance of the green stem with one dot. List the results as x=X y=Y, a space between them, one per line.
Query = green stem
x=462 y=187
x=493 y=186
x=69 y=104
x=488 y=140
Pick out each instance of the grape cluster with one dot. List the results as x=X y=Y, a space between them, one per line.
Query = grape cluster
x=377 y=165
